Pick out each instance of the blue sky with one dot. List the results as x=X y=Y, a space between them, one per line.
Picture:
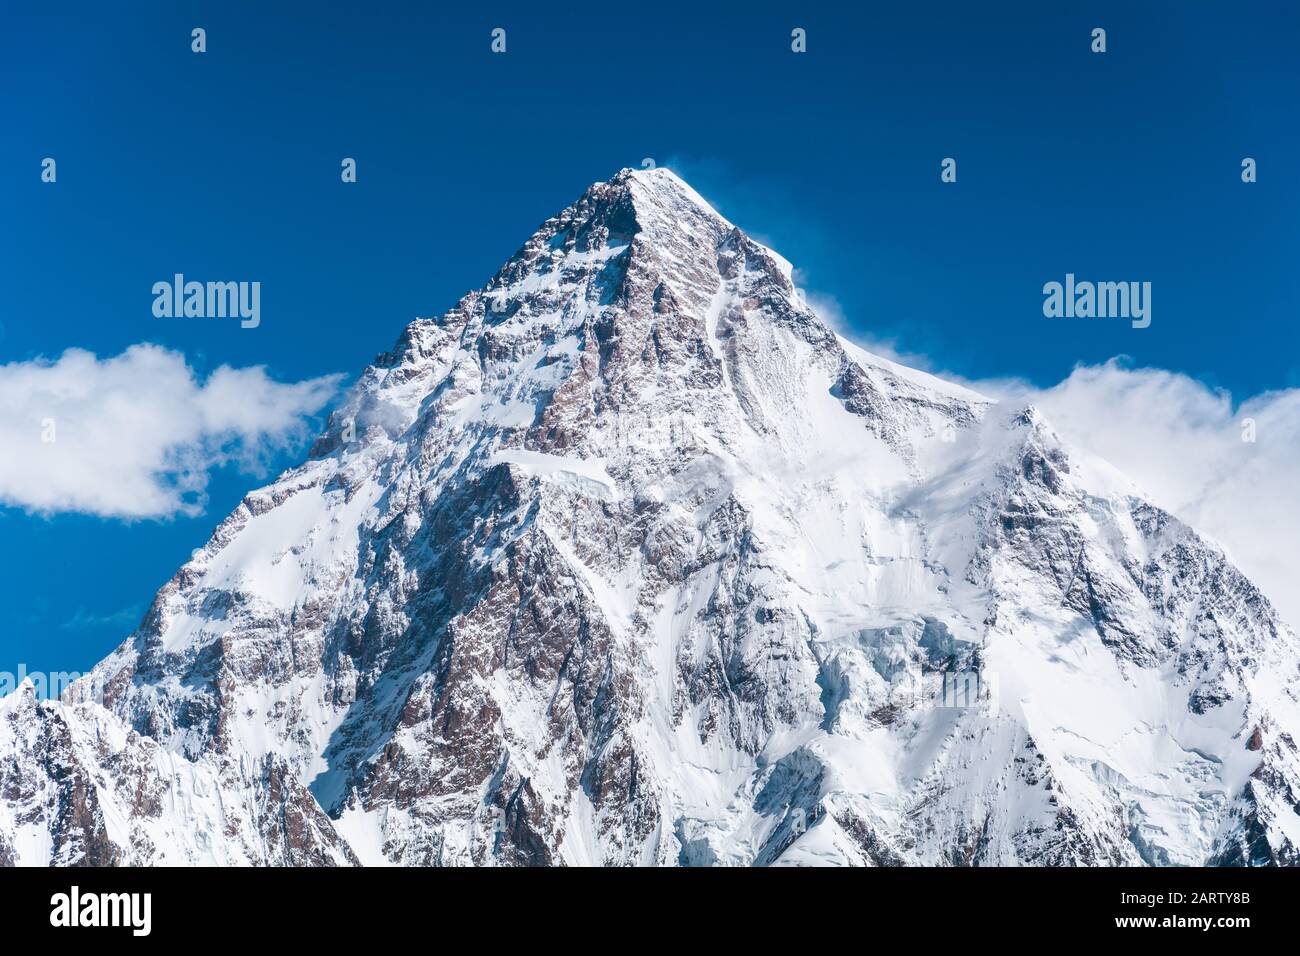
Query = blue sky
x=225 y=166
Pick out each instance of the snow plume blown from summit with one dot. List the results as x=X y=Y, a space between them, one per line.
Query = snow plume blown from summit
x=629 y=558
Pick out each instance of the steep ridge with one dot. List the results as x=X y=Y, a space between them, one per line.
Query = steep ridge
x=630 y=559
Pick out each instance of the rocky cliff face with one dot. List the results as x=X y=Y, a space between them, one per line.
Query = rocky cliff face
x=630 y=559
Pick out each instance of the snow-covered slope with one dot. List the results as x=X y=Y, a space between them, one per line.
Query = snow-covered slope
x=78 y=787
x=629 y=558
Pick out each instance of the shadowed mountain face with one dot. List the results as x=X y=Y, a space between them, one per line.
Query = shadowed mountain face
x=630 y=559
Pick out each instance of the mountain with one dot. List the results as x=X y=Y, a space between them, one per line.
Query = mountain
x=629 y=558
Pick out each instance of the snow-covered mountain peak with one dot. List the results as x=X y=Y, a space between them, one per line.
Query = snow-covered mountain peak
x=629 y=558
x=664 y=192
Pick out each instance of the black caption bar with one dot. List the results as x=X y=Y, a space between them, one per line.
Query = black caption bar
x=139 y=907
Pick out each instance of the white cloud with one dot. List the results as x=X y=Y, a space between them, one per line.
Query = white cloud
x=136 y=435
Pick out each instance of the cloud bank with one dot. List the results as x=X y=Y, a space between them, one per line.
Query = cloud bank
x=137 y=435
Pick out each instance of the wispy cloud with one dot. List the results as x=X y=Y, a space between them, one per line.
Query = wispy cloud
x=137 y=435
x=84 y=620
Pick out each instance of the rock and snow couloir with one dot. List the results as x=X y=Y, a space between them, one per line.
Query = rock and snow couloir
x=630 y=559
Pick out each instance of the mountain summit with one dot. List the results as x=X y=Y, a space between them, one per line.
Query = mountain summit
x=629 y=558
